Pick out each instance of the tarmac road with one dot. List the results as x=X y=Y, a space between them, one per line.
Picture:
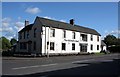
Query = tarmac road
x=81 y=65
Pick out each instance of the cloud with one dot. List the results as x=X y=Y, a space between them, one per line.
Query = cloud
x=62 y=20
x=9 y=29
x=19 y=25
x=33 y=10
x=6 y=22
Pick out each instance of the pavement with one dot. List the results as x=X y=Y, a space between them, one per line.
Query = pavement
x=81 y=65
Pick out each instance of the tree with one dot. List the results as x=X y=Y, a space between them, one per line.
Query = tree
x=5 y=43
x=110 y=40
x=13 y=41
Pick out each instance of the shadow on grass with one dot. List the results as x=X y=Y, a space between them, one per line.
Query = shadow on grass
x=102 y=69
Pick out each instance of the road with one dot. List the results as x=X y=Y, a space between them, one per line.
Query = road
x=81 y=65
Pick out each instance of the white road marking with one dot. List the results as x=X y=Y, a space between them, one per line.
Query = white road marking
x=82 y=61
x=34 y=66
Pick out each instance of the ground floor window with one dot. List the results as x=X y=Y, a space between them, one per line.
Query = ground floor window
x=73 y=46
x=83 y=47
x=34 y=46
x=23 y=45
x=97 y=47
x=63 y=46
x=91 y=47
x=51 y=45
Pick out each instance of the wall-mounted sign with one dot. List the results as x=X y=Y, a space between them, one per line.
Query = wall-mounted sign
x=71 y=40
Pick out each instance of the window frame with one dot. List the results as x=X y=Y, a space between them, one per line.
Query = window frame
x=52 y=48
x=73 y=46
x=63 y=46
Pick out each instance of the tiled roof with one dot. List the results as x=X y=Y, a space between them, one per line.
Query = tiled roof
x=28 y=27
x=103 y=44
x=66 y=26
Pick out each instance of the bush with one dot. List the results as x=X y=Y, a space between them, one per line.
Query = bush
x=114 y=49
x=7 y=53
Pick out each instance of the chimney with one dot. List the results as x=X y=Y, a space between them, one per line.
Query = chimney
x=26 y=22
x=72 y=21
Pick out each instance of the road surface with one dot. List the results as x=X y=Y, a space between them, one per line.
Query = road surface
x=81 y=65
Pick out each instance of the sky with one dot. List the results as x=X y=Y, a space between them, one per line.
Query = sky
x=101 y=16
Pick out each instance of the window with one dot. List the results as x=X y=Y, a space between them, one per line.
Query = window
x=97 y=38
x=97 y=47
x=64 y=34
x=83 y=37
x=63 y=46
x=51 y=45
x=27 y=34
x=35 y=32
x=91 y=37
x=20 y=35
x=52 y=32
x=91 y=47
x=34 y=45
x=83 y=47
x=73 y=46
x=23 y=45
x=24 y=34
x=73 y=35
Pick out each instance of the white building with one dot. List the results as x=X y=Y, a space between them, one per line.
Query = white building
x=46 y=36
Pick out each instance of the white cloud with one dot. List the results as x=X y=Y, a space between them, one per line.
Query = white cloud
x=33 y=10
x=9 y=29
x=19 y=25
x=6 y=22
x=62 y=20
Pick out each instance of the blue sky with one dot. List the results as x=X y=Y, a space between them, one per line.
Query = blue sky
x=101 y=16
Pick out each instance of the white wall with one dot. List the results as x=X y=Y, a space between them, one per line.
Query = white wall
x=58 y=39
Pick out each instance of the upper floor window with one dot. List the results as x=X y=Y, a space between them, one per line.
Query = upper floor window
x=64 y=34
x=91 y=37
x=63 y=46
x=83 y=37
x=73 y=46
x=27 y=34
x=24 y=34
x=51 y=45
x=20 y=35
x=35 y=32
x=97 y=38
x=52 y=32
x=73 y=35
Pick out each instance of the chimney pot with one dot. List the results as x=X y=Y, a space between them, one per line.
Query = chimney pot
x=26 y=22
x=72 y=21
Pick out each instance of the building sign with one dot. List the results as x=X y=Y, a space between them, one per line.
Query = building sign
x=71 y=40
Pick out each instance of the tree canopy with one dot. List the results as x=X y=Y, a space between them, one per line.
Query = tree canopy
x=13 y=41
x=5 y=43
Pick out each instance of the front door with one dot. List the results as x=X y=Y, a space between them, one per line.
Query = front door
x=83 y=47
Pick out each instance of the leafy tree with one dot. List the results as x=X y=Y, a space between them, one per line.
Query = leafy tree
x=5 y=43
x=110 y=40
x=13 y=41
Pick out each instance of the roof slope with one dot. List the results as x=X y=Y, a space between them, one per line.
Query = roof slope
x=66 y=26
x=28 y=27
x=103 y=44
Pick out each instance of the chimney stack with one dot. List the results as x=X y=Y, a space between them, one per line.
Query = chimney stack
x=72 y=21
x=26 y=22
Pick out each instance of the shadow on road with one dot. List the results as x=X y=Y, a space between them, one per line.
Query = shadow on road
x=102 y=69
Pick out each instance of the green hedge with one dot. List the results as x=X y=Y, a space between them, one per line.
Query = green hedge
x=114 y=49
